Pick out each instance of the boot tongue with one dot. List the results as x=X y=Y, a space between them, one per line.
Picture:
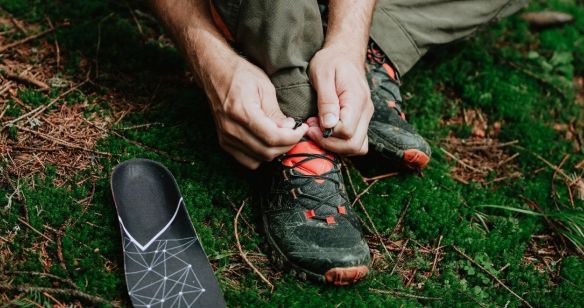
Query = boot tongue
x=312 y=165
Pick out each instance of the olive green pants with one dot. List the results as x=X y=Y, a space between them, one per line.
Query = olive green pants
x=281 y=36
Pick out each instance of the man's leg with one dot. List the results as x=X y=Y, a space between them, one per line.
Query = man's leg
x=406 y=29
x=309 y=223
x=402 y=32
x=280 y=37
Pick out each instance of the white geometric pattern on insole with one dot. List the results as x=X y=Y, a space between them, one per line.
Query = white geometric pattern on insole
x=179 y=288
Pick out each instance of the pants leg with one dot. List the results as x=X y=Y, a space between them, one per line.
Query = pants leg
x=280 y=37
x=406 y=29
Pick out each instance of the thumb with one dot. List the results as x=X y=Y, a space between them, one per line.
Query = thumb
x=328 y=101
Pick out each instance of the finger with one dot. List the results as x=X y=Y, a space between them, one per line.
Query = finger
x=247 y=142
x=328 y=100
x=342 y=146
x=266 y=130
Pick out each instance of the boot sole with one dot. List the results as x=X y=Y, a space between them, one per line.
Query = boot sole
x=415 y=159
x=338 y=276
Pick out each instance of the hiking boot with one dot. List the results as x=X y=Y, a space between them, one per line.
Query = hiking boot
x=389 y=133
x=310 y=225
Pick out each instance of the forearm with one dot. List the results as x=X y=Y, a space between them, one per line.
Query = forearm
x=348 y=25
x=195 y=34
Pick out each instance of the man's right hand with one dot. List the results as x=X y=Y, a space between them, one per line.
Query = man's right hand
x=250 y=125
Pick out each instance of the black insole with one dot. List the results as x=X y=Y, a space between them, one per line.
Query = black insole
x=165 y=264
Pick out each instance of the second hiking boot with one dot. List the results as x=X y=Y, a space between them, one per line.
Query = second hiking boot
x=389 y=133
x=309 y=223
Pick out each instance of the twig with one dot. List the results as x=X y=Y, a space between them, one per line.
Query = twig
x=460 y=161
x=62 y=142
x=380 y=177
x=33 y=113
x=436 y=256
x=242 y=254
x=369 y=231
x=26 y=40
x=492 y=275
x=35 y=230
x=494 y=146
x=66 y=292
x=364 y=209
x=26 y=80
x=399 y=257
x=403 y=294
x=235 y=209
x=63 y=280
x=402 y=214
x=358 y=197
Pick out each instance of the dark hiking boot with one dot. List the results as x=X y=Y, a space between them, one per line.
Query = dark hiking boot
x=389 y=133
x=310 y=226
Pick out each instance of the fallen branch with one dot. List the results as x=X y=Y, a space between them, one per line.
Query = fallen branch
x=403 y=294
x=35 y=230
x=460 y=161
x=63 y=280
x=26 y=40
x=62 y=142
x=242 y=254
x=66 y=292
x=26 y=80
x=492 y=275
x=33 y=113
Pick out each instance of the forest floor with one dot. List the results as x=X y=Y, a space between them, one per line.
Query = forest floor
x=495 y=220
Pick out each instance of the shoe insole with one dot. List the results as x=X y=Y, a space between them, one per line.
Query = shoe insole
x=165 y=265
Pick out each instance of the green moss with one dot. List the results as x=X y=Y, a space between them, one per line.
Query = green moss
x=492 y=72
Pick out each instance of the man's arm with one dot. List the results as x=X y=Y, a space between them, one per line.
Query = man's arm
x=337 y=72
x=250 y=124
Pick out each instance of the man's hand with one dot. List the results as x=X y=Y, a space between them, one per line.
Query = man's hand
x=344 y=101
x=250 y=124
x=337 y=73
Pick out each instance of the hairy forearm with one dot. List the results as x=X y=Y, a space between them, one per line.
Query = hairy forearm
x=195 y=34
x=348 y=25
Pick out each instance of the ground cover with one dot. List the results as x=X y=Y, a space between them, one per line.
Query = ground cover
x=493 y=221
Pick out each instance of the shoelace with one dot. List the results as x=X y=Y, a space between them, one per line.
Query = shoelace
x=375 y=55
x=327 y=176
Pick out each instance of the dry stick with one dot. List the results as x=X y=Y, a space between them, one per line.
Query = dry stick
x=460 y=161
x=242 y=254
x=26 y=80
x=26 y=40
x=380 y=177
x=235 y=209
x=35 y=230
x=33 y=113
x=436 y=256
x=398 y=293
x=399 y=257
x=377 y=234
x=508 y=160
x=494 y=146
x=66 y=292
x=61 y=142
x=553 y=185
x=402 y=215
x=492 y=275
x=63 y=280
x=369 y=231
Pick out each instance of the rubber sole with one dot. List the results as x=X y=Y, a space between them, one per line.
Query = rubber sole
x=415 y=159
x=338 y=276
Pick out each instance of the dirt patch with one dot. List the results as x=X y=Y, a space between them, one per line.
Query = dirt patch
x=482 y=157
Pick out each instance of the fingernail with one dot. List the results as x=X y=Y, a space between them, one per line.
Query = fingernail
x=330 y=120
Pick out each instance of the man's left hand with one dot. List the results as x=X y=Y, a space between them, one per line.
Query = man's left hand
x=344 y=101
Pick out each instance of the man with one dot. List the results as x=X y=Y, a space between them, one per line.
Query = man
x=293 y=84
